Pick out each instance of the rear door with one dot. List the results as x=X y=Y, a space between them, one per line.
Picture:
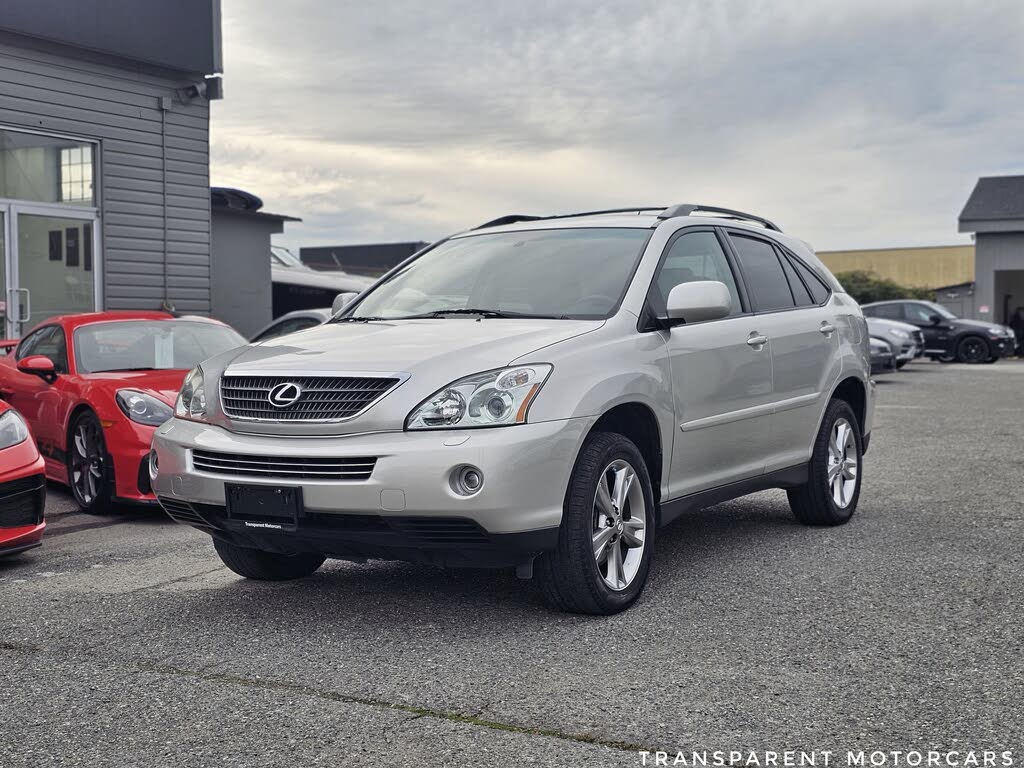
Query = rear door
x=938 y=337
x=792 y=307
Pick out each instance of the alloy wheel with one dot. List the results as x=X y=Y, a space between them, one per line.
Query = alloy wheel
x=843 y=463
x=973 y=350
x=87 y=461
x=620 y=524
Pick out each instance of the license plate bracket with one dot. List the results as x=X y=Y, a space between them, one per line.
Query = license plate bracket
x=263 y=506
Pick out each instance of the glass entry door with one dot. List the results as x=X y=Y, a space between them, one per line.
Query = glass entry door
x=50 y=260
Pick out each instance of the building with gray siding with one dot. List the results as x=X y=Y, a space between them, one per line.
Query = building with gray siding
x=995 y=214
x=104 y=156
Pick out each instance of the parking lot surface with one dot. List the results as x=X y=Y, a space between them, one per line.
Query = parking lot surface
x=125 y=642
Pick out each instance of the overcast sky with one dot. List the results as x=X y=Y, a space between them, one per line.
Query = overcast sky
x=852 y=124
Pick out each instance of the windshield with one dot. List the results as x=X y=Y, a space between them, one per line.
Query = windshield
x=133 y=345
x=556 y=273
x=283 y=257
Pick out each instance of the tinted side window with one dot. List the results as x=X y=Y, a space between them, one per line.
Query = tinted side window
x=765 y=280
x=800 y=292
x=888 y=311
x=693 y=256
x=918 y=314
x=30 y=342
x=819 y=292
x=48 y=342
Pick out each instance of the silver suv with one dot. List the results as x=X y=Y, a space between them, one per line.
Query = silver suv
x=541 y=393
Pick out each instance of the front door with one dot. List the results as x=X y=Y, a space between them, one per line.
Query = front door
x=49 y=264
x=721 y=374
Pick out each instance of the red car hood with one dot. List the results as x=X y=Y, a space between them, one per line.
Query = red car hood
x=161 y=384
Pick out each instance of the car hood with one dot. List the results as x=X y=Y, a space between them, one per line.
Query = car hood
x=428 y=354
x=461 y=346
x=163 y=385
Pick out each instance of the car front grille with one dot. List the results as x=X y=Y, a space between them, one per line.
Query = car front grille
x=321 y=398
x=22 y=501
x=285 y=467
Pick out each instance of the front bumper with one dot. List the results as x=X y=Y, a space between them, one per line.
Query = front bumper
x=22 y=504
x=407 y=509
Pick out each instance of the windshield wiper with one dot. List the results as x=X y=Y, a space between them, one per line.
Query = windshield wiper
x=482 y=313
x=358 y=319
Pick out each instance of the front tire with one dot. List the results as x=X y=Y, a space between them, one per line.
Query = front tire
x=606 y=539
x=267 y=566
x=87 y=465
x=830 y=495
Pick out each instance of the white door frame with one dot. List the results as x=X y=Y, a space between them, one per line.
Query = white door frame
x=11 y=209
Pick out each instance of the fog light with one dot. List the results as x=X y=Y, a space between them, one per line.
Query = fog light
x=467 y=480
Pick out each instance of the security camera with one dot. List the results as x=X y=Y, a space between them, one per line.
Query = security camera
x=192 y=91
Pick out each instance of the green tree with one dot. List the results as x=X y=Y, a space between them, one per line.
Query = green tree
x=866 y=287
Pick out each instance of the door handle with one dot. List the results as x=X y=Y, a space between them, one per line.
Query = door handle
x=756 y=340
x=827 y=328
x=25 y=309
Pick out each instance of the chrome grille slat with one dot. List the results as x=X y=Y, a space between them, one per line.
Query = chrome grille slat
x=286 y=467
x=323 y=398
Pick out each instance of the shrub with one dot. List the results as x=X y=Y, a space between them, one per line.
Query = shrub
x=866 y=287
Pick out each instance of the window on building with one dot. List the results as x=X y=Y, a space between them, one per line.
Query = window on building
x=76 y=174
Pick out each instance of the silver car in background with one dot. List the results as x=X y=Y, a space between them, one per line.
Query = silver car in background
x=537 y=393
x=906 y=340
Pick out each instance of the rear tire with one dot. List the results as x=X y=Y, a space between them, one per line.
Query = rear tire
x=972 y=350
x=830 y=495
x=267 y=566
x=88 y=465
x=607 y=532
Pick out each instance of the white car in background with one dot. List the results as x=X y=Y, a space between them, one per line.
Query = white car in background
x=297 y=286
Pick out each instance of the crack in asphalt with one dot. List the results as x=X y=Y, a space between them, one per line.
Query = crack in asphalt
x=391 y=706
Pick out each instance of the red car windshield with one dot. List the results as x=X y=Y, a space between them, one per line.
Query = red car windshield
x=150 y=345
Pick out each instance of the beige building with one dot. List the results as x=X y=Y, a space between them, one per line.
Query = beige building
x=924 y=267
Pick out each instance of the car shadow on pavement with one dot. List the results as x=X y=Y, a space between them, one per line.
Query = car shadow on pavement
x=711 y=540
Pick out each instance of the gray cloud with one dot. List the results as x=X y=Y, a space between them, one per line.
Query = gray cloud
x=853 y=123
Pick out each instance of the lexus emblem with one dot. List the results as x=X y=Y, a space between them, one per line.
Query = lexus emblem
x=283 y=395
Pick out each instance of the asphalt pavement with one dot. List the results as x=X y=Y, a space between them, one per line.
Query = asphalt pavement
x=124 y=641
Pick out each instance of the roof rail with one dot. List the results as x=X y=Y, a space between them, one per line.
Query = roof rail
x=688 y=209
x=515 y=217
x=510 y=219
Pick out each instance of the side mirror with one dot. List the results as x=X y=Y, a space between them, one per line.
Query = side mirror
x=697 y=301
x=341 y=301
x=934 y=319
x=38 y=365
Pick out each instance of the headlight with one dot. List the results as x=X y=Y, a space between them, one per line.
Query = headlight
x=489 y=399
x=13 y=429
x=898 y=333
x=880 y=347
x=191 y=402
x=142 y=408
x=996 y=331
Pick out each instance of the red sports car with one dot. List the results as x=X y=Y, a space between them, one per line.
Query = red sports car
x=22 y=485
x=94 y=388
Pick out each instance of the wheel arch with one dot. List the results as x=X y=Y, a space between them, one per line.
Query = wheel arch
x=853 y=391
x=638 y=422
